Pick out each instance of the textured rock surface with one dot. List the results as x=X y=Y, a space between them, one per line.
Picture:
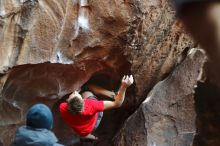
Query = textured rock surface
x=123 y=37
x=167 y=117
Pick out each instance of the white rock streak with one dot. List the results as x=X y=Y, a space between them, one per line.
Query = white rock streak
x=62 y=59
x=153 y=144
x=2 y=9
x=83 y=3
x=83 y=20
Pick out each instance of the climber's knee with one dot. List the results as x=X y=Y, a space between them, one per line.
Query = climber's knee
x=87 y=94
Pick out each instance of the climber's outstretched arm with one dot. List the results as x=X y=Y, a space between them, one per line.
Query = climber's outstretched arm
x=119 y=98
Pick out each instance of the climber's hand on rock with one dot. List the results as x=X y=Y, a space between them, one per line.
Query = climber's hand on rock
x=127 y=80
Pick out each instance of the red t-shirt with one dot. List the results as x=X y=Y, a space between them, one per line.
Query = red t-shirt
x=84 y=123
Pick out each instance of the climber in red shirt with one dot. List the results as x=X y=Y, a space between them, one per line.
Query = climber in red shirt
x=83 y=112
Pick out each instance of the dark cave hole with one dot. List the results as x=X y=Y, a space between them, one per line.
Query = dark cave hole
x=207 y=104
x=101 y=80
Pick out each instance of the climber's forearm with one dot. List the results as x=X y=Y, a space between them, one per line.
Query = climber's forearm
x=119 y=98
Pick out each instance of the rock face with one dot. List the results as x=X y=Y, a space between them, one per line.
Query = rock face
x=50 y=47
x=167 y=116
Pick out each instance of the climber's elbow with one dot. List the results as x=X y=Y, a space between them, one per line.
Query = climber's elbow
x=118 y=104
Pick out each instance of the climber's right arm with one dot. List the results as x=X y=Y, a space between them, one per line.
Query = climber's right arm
x=119 y=98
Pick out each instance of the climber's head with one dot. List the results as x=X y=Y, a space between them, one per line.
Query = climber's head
x=39 y=116
x=75 y=103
